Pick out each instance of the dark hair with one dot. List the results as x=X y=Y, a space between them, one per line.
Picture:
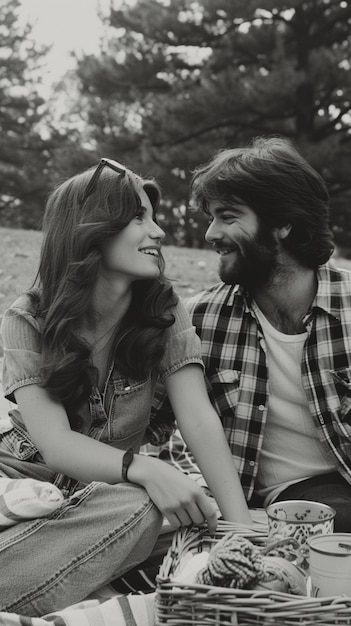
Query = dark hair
x=74 y=230
x=275 y=181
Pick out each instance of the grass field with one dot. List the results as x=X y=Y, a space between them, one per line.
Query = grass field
x=191 y=270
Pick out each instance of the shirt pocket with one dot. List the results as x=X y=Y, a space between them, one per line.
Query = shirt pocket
x=223 y=389
x=20 y=445
x=342 y=381
x=337 y=391
x=129 y=411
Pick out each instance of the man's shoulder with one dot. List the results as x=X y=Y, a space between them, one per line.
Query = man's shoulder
x=220 y=300
x=334 y=291
x=337 y=264
x=213 y=298
x=337 y=278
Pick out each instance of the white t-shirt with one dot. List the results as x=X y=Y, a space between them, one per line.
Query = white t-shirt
x=291 y=449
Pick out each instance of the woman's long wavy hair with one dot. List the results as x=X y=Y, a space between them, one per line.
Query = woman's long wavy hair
x=273 y=179
x=75 y=229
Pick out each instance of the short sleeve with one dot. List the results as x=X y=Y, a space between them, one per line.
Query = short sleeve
x=182 y=346
x=21 y=333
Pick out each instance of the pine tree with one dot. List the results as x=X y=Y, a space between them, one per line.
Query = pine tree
x=24 y=153
x=182 y=79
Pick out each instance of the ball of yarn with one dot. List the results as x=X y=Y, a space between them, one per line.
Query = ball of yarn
x=233 y=562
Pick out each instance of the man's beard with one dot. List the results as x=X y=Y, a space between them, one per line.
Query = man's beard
x=254 y=261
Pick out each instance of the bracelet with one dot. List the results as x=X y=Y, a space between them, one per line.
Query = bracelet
x=126 y=461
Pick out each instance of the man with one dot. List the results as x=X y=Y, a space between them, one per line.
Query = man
x=276 y=332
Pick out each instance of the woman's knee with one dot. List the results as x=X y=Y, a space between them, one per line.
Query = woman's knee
x=98 y=534
x=122 y=505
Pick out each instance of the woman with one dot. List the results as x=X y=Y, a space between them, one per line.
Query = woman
x=82 y=353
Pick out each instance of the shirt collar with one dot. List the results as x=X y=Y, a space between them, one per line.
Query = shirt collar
x=241 y=292
x=329 y=292
x=238 y=290
x=328 y=296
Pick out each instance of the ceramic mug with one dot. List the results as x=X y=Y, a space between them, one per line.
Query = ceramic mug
x=299 y=520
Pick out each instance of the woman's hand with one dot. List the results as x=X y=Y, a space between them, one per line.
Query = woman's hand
x=176 y=495
x=203 y=432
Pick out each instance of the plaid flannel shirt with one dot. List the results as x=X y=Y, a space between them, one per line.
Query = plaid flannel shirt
x=234 y=353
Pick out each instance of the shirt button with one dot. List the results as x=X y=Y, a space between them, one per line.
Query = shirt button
x=321 y=420
x=261 y=407
x=127 y=388
x=252 y=463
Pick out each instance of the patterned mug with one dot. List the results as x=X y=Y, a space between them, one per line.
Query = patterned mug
x=298 y=520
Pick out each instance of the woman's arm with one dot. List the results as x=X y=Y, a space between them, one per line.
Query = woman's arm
x=87 y=460
x=203 y=432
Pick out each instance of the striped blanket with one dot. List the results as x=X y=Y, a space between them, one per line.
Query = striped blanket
x=107 y=609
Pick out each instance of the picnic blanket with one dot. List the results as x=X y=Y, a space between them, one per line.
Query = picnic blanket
x=130 y=610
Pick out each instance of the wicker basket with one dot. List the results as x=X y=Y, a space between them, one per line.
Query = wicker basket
x=178 y=604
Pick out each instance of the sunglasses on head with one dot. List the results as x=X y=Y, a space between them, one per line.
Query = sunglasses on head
x=113 y=165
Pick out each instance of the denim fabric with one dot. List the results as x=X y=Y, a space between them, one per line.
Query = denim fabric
x=118 y=415
x=97 y=535
x=102 y=530
x=21 y=338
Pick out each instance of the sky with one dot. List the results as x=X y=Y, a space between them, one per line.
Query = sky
x=67 y=25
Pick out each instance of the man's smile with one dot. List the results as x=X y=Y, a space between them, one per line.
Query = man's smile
x=224 y=252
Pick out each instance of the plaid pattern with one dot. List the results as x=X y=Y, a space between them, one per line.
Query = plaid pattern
x=233 y=351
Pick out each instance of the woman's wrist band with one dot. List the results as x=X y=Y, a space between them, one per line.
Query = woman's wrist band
x=126 y=461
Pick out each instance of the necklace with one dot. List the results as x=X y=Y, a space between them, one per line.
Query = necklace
x=96 y=343
x=104 y=335
x=107 y=335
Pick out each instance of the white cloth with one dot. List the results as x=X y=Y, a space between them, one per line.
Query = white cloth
x=189 y=566
x=26 y=498
x=291 y=449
